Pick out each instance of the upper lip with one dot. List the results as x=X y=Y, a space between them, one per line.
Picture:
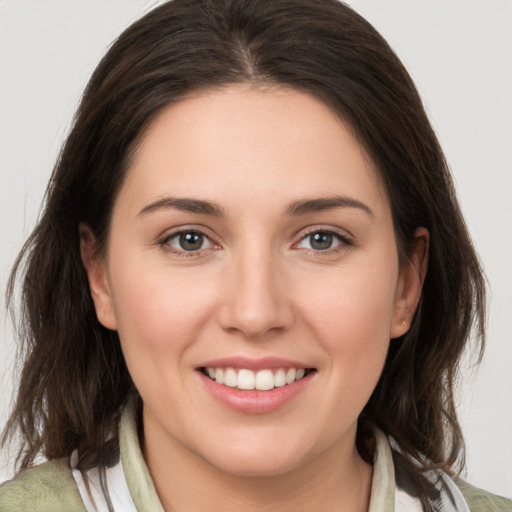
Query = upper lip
x=253 y=363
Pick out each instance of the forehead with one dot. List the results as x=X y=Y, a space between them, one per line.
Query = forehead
x=251 y=142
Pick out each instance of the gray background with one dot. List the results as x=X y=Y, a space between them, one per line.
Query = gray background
x=458 y=51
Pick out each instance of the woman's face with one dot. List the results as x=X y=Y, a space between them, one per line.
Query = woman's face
x=252 y=242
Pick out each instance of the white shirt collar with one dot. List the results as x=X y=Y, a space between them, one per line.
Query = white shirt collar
x=131 y=489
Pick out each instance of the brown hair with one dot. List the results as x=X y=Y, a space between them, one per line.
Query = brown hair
x=74 y=379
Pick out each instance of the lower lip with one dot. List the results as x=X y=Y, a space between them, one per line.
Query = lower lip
x=254 y=401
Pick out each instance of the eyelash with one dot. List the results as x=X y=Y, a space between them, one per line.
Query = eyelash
x=344 y=240
x=164 y=242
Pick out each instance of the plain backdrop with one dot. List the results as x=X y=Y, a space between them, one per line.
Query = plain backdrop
x=459 y=52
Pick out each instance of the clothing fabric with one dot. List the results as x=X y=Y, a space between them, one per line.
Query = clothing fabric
x=58 y=486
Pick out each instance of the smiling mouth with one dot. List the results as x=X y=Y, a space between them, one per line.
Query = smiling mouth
x=262 y=380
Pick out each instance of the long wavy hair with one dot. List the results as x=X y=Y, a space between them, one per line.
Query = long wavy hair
x=74 y=380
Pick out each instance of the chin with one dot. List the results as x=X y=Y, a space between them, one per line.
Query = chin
x=258 y=462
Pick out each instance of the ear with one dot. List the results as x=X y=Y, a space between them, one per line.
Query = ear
x=410 y=282
x=96 y=269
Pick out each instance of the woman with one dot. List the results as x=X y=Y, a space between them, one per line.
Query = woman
x=242 y=292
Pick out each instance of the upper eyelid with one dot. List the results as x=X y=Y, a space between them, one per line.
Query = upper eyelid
x=342 y=233
x=172 y=232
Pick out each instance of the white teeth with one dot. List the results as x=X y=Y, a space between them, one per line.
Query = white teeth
x=246 y=379
x=230 y=378
x=219 y=376
x=263 y=380
x=290 y=375
x=280 y=378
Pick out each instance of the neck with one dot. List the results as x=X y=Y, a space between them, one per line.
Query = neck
x=337 y=480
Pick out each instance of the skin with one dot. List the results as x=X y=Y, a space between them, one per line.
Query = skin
x=256 y=288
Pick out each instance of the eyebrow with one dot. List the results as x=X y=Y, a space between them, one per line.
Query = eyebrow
x=306 y=206
x=184 y=204
x=297 y=208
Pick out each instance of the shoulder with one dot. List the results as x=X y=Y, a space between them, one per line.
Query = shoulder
x=483 y=501
x=446 y=489
x=44 y=488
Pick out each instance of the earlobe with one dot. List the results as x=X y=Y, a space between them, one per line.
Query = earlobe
x=97 y=275
x=410 y=284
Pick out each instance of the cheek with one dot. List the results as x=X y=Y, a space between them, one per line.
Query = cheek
x=159 y=313
x=351 y=316
x=352 y=300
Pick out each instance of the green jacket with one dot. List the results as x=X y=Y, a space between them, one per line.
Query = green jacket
x=51 y=487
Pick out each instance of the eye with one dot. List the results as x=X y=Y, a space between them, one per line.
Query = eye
x=322 y=240
x=188 y=241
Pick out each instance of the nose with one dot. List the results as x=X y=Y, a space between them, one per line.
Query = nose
x=256 y=301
